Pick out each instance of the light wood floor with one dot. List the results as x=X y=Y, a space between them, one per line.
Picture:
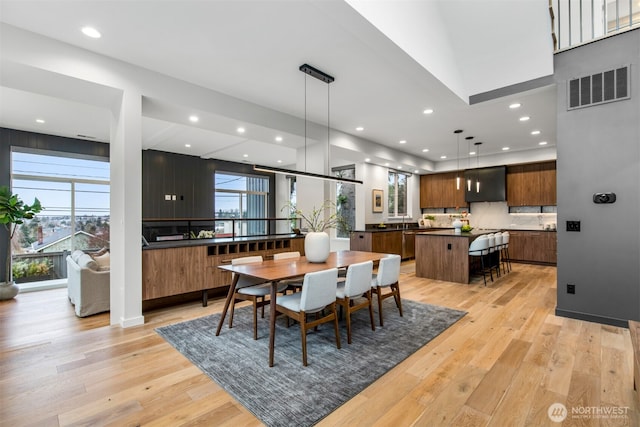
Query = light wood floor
x=503 y=364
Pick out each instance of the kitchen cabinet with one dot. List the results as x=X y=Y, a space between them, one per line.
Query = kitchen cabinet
x=533 y=246
x=439 y=191
x=384 y=241
x=532 y=184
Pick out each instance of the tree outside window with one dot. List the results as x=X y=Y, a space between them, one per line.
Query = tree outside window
x=397 y=200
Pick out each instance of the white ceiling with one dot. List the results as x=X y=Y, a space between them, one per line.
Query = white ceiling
x=251 y=50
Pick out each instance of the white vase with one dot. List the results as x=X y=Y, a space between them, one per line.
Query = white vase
x=8 y=290
x=457 y=225
x=316 y=246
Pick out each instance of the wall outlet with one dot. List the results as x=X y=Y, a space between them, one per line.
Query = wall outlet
x=571 y=289
x=573 y=225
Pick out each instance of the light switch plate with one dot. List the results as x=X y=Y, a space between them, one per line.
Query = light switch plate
x=167 y=196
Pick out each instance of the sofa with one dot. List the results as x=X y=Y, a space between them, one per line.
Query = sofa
x=88 y=282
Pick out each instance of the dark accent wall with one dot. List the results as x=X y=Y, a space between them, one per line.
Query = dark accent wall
x=191 y=180
x=599 y=151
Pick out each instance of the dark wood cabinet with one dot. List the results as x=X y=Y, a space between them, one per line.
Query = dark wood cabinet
x=532 y=184
x=178 y=270
x=389 y=242
x=439 y=191
x=533 y=246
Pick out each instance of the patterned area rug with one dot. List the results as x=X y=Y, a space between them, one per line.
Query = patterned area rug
x=290 y=394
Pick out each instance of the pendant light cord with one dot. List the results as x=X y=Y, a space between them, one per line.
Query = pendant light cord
x=305 y=122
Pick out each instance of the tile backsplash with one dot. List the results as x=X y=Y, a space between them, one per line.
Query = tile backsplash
x=496 y=215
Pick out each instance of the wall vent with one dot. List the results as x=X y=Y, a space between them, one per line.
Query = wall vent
x=594 y=89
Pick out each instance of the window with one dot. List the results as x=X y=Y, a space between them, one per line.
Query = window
x=74 y=193
x=397 y=194
x=346 y=200
x=241 y=197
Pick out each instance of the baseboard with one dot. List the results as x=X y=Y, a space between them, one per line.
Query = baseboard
x=623 y=323
x=134 y=321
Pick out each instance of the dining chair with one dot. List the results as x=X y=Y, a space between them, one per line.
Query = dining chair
x=387 y=278
x=497 y=250
x=318 y=293
x=294 y=284
x=356 y=285
x=480 y=248
x=250 y=289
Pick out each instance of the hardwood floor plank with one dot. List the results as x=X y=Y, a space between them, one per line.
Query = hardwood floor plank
x=504 y=363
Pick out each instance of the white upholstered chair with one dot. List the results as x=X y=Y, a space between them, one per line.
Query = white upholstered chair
x=294 y=284
x=318 y=292
x=254 y=290
x=357 y=285
x=505 y=251
x=387 y=279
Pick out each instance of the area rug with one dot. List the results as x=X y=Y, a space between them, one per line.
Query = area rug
x=289 y=394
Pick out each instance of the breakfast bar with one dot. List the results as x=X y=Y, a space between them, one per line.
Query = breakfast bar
x=444 y=254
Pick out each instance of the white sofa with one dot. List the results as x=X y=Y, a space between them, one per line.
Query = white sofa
x=88 y=284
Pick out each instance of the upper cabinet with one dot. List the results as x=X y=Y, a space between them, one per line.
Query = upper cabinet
x=532 y=184
x=439 y=191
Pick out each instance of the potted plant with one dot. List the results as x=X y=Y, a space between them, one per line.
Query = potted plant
x=316 y=241
x=13 y=212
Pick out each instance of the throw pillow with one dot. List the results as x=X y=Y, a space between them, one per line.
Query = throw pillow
x=85 y=261
x=103 y=261
x=100 y=252
x=75 y=255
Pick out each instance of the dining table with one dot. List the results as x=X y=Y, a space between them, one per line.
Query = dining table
x=272 y=271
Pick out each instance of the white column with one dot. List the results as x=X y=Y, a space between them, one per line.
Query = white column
x=126 y=210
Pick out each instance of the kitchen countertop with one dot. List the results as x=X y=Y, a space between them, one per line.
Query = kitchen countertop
x=451 y=233
x=205 y=242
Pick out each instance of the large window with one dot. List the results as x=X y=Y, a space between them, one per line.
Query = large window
x=397 y=194
x=74 y=193
x=241 y=196
x=346 y=200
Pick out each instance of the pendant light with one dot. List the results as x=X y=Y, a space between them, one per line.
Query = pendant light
x=308 y=70
x=458 y=132
x=469 y=138
x=478 y=144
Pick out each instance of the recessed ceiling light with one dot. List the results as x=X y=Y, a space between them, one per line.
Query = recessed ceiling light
x=91 y=32
x=367 y=159
x=471 y=153
x=279 y=161
x=39 y=121
x=403 y=141
x=187 y=145
x=524 y=118
x=240 y=130
x=416 y=171
x=505 y=148
x=386 y=164
x=425 y=150
x=515 y=105
x=245 y=155
x=443 y=157
x=535 y=132
x=359 y=128
x=399 y=166
x=193 y=119
x=278 y=139
x=428 y=111
x=542 y=143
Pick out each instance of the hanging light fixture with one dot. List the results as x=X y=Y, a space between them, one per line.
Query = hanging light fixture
x=478 y=144
x=326 y=78
x=458 y=132
x=469 y=138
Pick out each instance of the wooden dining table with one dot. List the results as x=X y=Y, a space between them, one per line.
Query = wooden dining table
x=273 y=271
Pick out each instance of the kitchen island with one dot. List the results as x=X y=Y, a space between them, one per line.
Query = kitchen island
x=444 y=254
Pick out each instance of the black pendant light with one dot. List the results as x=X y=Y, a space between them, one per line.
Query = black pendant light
x=478 y=144
x=458 y=132
x=469 y=138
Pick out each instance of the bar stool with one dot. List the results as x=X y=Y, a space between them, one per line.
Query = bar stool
x=497 y=249
x=505 y=250
x=479 y=248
